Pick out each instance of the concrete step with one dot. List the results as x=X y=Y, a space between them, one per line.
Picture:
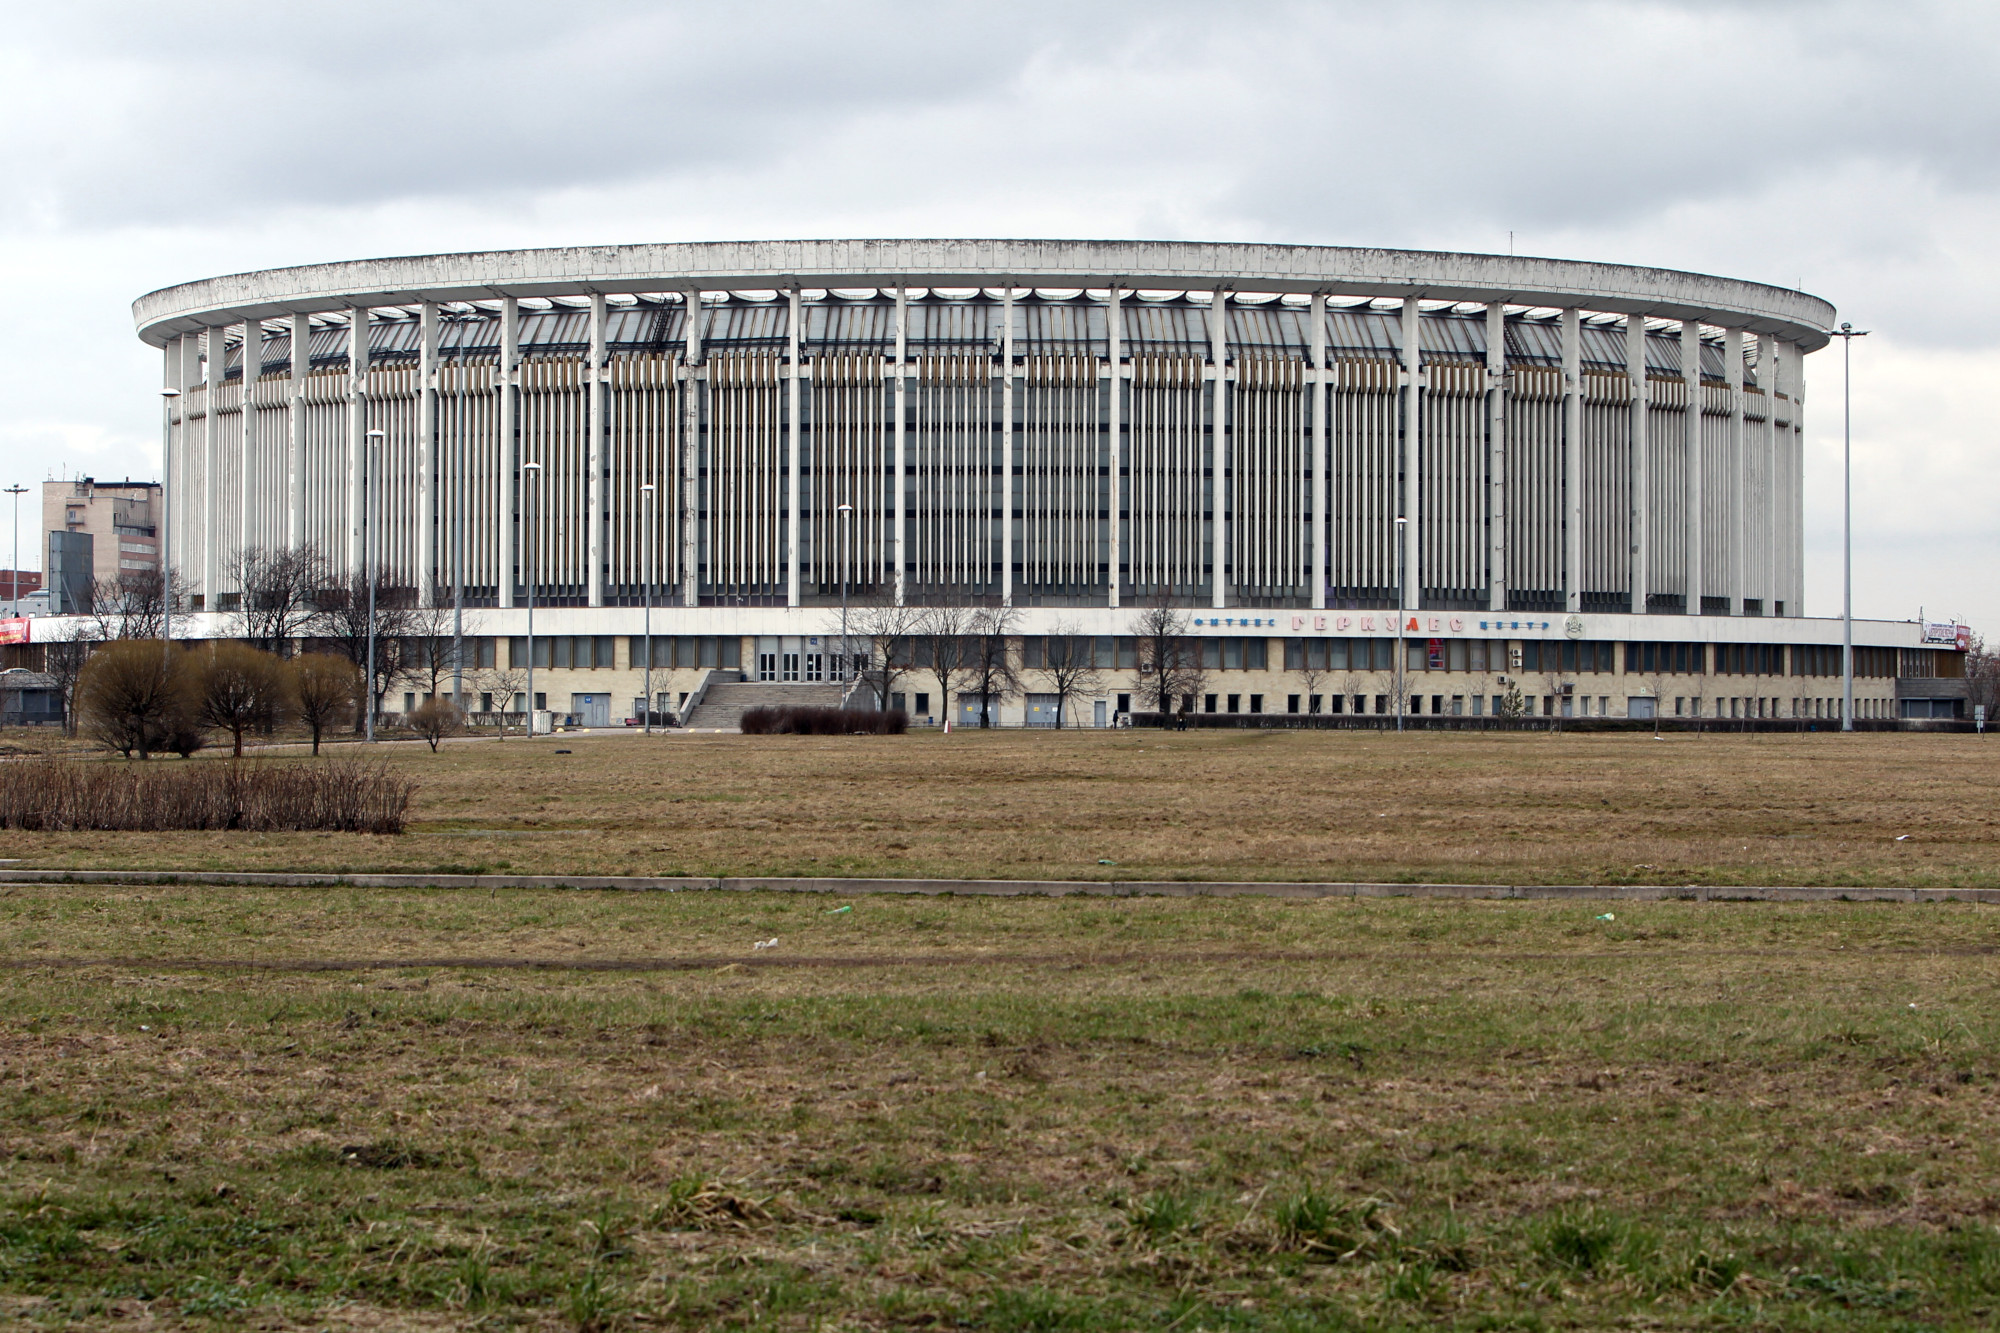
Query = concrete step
x=723 y=707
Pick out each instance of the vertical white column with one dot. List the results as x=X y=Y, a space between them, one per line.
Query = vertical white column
x=248 y=502
x=212 y=449
x=691 y=453
x=187 y=536
x=165 y=511
x=429 y=534
x=794 y=441
x=1218 y=449
x=1691 y=373
x=506 y=463
x=594 y=451
x=1572 y=460
x=1767 y=375
x=1639 y=462
x=357 y=435
x=902 y=348
x=1114 y=320
x=1795 y=441
x=1316 y=344
x=1738 y=566
x=1007 y=447
x=295 y=423
x=1413 y=453
x=1496 y=455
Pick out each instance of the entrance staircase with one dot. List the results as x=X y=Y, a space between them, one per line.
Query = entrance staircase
x=723 y=706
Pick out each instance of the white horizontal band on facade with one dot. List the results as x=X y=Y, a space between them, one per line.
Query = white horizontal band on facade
x=1073 y=424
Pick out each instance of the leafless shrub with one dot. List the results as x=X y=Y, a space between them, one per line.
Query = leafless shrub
x=66 y=795
x=792 y=721
x=236 y=687
x=434 y=719
x=325 y=691
x=133 y=697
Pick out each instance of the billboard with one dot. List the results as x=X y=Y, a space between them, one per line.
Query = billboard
x=14 y=629
x=1948 y=634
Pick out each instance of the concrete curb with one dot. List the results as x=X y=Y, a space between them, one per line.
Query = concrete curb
x=1015 y=888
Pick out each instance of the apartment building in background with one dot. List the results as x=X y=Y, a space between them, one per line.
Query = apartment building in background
x=119 y=517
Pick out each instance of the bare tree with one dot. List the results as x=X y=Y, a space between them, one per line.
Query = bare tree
x=503 y=683
x=281 y=593
x=1557 y=688
x=428 y=651
x=133 y=696
x=324 y=691
x=1312 y=670
x=235 y=687
x=1070 y=664
x=1170 y=666
x=343 y=627
x=989 y=660
x=1657 y=682
x=1982 y=677
x=434 y=719
x=63 y=660
x=133 y=604
x=941 y=639
x=882 y=630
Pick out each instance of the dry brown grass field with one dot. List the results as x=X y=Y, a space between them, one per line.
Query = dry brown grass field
x=1015 y=1115
x=1721 y=808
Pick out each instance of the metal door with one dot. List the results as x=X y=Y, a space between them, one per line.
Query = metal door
x=592 y=710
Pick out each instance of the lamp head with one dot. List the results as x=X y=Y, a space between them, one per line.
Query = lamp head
x=170 y=393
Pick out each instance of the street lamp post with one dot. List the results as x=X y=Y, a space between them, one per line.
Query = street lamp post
x=530 y=472
x=375 y=438
x=842 y=515
x=1847 y=333
x=17 y=490
x=646 y=560
x=166 y=528
x=1400 y=701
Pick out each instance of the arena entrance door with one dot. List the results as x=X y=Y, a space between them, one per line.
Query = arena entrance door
x=592 y=710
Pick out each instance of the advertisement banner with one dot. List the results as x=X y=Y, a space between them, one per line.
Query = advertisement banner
x=1948 y=634
x=14 y=629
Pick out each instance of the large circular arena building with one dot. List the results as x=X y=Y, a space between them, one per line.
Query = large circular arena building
x=1584 y=476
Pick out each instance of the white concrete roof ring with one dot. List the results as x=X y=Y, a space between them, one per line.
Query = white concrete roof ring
x=1792 y=316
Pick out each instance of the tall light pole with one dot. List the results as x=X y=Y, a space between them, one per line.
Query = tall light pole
x=375 y=438
x=841 y=515
x=458 y=533
x=530 y=472
x=1847 y=333
x=1401 y=702
x=17 y=490
x=646 y=560
x=166 y=529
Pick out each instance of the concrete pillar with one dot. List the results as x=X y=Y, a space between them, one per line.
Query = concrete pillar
x=1218 y=450
x=1572 y=460
x=430 y=536
x=1639 y=466
x=690 y=516
x=1767 y=377
x=295 y=421
x=357 y=439
x=188 y=446
x=794 y=440
x=247 y=499
x=1739 y=469
x=1691 y=423
x=507 y=458
x=896 y=369
x=594 y=450
x=1413 y=455
x=1114 y=320
x=212 y=450
x=1007 y=446
x=1316 y=537
x=1496 y=455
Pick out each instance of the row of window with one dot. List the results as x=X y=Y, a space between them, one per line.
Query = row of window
x=1120 y=652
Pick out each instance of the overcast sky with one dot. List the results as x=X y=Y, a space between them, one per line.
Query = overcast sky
x=1852 y=150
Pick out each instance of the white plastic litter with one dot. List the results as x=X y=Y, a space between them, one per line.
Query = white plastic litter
x=771 y=943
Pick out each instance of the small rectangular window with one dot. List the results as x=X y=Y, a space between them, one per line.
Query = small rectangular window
x=1291 y=703
x=1208 y=704
x=1256 y=703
